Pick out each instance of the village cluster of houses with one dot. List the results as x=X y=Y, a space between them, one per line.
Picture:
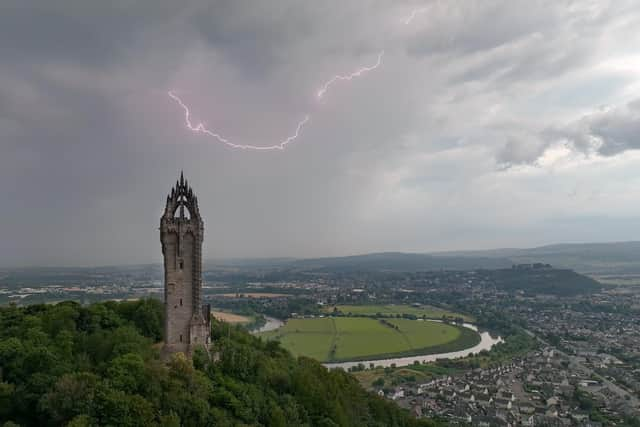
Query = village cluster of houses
x=541 y=389
x=607 y=342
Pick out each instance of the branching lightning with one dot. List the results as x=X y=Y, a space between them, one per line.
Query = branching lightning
x=357 y=73
x=201 y=128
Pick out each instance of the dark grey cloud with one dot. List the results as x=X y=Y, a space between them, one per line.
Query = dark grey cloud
x=520 y=149
x=76 y=31
x=401 y=159
x=608 y=132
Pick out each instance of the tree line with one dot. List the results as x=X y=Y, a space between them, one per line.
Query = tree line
x=68 y=364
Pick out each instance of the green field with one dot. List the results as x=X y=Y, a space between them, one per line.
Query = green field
x=308 y=337
x=411 y=374
x=392 y=310
x=360 y=338
x=618 y=279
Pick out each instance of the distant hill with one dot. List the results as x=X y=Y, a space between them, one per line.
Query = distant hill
x=541 y=280
x=401 y=262
x=548 y=281
x=588 y=258
x=249 y=262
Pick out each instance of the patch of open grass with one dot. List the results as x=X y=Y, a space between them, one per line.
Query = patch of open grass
x=306 y=337
x=361 y=338
x=421 y=337
x=394 y=310
x=388 y=377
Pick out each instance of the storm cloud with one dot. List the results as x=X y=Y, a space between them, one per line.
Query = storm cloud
x=481 y=120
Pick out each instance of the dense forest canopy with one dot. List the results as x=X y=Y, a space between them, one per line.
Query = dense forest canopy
x=68 y=364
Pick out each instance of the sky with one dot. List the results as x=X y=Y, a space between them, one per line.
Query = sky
x=487 y=124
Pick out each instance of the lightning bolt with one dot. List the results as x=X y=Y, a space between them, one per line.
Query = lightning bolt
x=323 y=89
x=415 y=13
x=201 y=128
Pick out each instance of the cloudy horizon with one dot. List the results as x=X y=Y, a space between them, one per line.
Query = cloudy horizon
x=483 y=126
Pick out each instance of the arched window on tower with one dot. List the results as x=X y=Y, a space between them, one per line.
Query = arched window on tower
x=182 y=209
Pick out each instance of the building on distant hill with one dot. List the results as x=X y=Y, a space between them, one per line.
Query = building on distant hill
x=187 y=321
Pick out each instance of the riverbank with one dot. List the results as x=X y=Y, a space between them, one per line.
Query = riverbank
x=486 y=343
x=271 y=324
x=470 y=341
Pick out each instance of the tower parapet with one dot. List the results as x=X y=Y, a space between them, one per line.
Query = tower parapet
x=187 y=321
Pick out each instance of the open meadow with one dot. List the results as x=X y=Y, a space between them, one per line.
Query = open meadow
x=427 y=311
x=231 y=317
x=332 y=339
x=618 y=279
x=416 y=373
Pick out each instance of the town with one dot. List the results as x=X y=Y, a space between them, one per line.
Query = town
x=570 y=357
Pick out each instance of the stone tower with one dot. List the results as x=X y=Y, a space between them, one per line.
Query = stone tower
x=187 y=322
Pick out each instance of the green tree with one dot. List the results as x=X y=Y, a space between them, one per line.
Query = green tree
x=72 y=395
x=378 y=382
x=127 y=373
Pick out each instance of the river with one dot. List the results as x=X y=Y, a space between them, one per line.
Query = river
x=486 y=343
x=271 y=325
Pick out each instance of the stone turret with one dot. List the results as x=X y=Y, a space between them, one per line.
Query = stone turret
x=187 y=321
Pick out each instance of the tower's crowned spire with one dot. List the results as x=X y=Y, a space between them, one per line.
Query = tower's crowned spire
x=180 y=199
x=187 y=322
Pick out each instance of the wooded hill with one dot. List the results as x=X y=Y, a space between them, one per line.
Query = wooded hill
x=68 y=364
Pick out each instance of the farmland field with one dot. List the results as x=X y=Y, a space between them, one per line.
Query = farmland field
x=252 y=295
x=308 y=337
x=618 y=279
x=230 y=317
x=392 y=310
x=359 y=338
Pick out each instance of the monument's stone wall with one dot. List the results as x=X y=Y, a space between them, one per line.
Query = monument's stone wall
x=187 y=323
